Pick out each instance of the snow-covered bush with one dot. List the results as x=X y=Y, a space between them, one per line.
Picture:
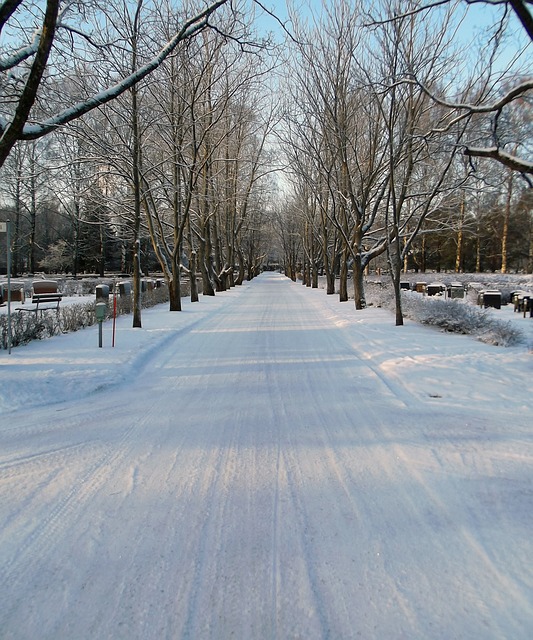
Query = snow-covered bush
x=502 y=333
x=450 y=315
x=76 y=316
x=26 y=327
x=457 y=317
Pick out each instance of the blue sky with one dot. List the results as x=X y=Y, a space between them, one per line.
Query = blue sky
x=478 y=18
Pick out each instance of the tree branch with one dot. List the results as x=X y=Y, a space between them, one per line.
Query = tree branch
x=511 y=95
x=19 y=130
x=507 y=159
x=7 y=8
x=13 y=131
x=22 y=54
x=523 y=14
x=518 y=6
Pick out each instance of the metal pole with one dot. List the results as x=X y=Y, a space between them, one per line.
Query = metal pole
x=114 y=311
x=9 y=335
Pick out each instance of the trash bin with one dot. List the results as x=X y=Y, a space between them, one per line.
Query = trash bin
x=100 y=311
x=17 y=292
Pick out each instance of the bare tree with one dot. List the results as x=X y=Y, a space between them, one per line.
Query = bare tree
x=336 y=123
x=421 y=144
x=37 y=39
x=492 y=90
x=203 y=156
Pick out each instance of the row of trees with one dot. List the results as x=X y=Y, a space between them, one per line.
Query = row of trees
x=173 y=173
x=140 y=136
x=382 y=167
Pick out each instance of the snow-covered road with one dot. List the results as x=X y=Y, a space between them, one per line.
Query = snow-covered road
x=269 y=472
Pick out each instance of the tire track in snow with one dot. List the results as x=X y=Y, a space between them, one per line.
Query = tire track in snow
x=16 y=570
x=275 y=577
x=359 y=422
x=294 y=485
x=290 y=477
x=27 y=464
x=208 y=534
x=161 y=352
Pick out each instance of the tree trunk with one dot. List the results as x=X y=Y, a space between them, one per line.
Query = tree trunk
x=358 y=283
x=423 y=255
x=15 y=265
x=506 y=220
x=174 y=286
x=314 y=276
x=343 y=284
x=192 y=275
x=136 y=178
x=398 y=300
x=101 y=250
x=478 y=246
x=33 y=221
x=394 y=258
x=530 y=248
x=330 y=282
x=459 y=252
x=137 y=294
x=395 y=262
x=76 y=240
x=240 y=260
x=305 y=273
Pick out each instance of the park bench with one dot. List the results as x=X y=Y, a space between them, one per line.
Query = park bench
x=45 y=296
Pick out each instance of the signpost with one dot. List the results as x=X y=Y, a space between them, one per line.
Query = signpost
x=5 y=228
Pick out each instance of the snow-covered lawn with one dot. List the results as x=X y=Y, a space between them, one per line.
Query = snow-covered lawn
x=268 y=463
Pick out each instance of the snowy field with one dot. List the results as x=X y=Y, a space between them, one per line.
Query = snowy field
x=267 y=464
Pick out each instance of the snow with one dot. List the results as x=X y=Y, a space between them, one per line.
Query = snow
x=268 y=463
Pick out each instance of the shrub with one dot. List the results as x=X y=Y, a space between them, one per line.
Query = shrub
x=457 y=317
x=76 y=316
x=26 y=327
